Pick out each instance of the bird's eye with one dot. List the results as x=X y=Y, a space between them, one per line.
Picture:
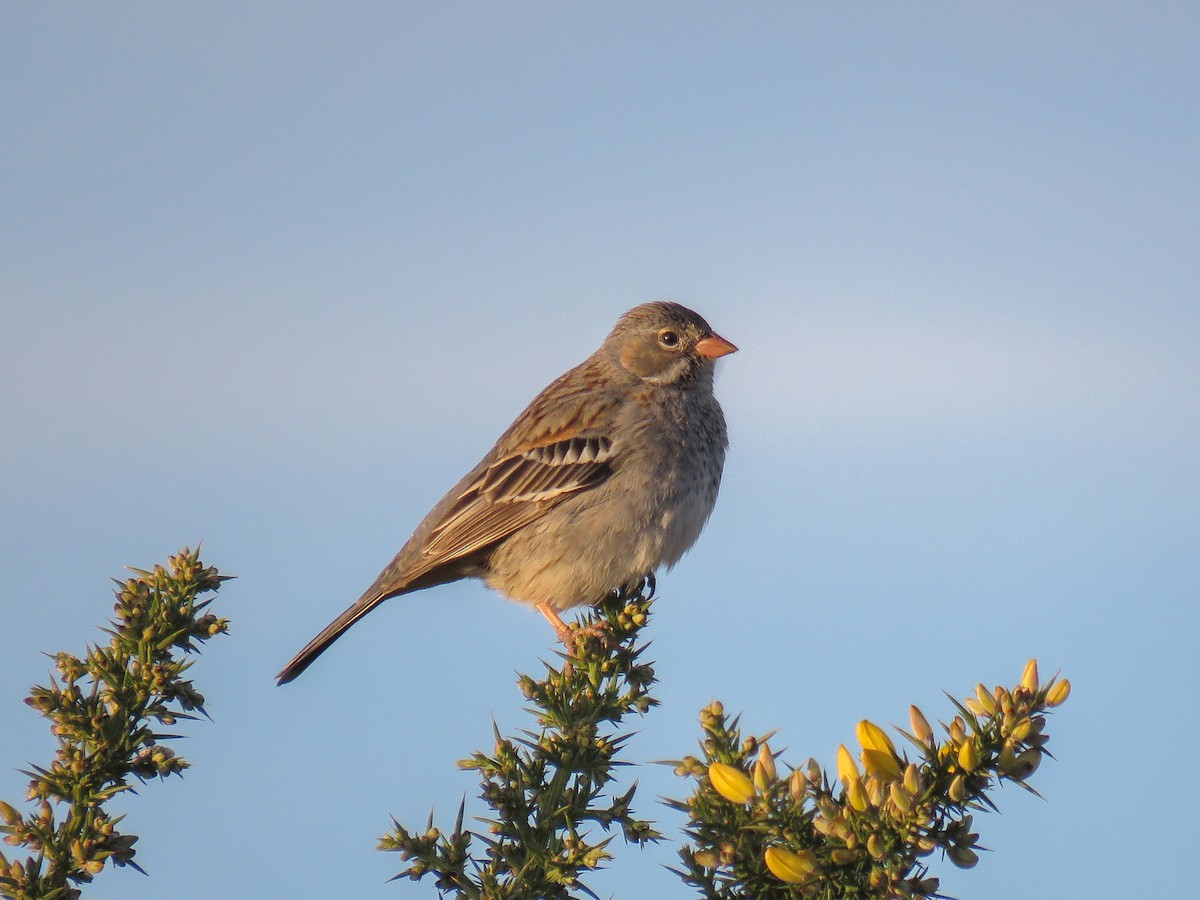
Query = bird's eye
x=668 y=338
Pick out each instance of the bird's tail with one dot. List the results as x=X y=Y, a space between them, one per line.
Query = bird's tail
x=331 y=633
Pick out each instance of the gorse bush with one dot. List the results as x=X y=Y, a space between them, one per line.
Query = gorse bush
x=754 y=831
x=106 y=710
x=546 y=788
x=756 y=827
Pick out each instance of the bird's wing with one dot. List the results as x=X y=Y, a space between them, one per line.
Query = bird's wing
x=515 y=489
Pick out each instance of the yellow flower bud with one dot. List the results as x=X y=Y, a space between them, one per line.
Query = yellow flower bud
x=1006 y=763
x=912 y=779
x=706 y=859
x=876 y=789
x=764 y=768
x=796 y=785
x=843 y=857
x=920 y=725
x=975 y=706
x=731 y=782
x=827 y=807
x=986 y=700
x=789 y=866
x=759 y=778
x=875 y=847
x=1021 y=730
x=968 y=756
x=1059 y=693
x=958 y=730
x=813 y=772
x=1029 y=678
x=857 y=794
x=958 y=789
x=846 y=766
x=901 y=798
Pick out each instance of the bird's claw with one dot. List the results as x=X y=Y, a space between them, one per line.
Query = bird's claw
x=647 y=587
x=642 y=589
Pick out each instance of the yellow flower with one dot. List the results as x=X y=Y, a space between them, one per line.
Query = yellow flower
x=872 y=737
x=788 y=866
x=846 y=766
x=883 y=764
x=879 y=755
x=731 y=782
x=1059 y=693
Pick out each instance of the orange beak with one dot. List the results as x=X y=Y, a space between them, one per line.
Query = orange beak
x=714 y=346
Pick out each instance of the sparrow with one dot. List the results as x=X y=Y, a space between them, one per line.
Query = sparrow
x=607 y=476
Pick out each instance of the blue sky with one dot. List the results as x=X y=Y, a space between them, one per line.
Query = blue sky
x=276 y=277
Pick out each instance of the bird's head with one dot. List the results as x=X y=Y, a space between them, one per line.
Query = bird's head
x=665 y=343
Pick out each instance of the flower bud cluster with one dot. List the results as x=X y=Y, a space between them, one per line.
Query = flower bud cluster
x=102 y=709
x=867 y=830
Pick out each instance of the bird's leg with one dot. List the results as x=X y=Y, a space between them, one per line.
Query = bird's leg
x=564 y=634
x=571 y=636
x=561 y=629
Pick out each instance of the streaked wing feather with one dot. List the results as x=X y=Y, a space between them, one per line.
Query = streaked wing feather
x=515 y=490
x=481 y=525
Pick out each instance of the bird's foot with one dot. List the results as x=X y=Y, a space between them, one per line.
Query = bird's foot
x=574 y=636
x=642 y=589
x=648 y=585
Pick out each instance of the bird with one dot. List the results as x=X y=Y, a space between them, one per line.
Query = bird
x=608 y=475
